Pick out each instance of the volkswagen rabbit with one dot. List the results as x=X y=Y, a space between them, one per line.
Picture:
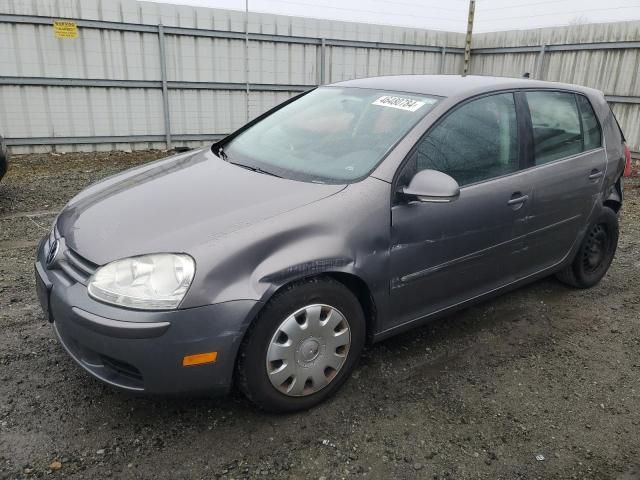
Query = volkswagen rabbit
x=345 y=215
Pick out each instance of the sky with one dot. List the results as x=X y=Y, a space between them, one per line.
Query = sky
x=449 y=15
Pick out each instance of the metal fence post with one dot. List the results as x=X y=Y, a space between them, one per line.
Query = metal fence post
x=165 y=91
x=539 y=63
x=323 y=48
x=444 y=53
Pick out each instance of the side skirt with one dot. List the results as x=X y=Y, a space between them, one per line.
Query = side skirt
x=417 y=322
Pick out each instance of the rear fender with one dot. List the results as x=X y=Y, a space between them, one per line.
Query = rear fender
x=614 y=196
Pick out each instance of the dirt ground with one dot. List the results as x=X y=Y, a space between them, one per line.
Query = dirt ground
x=541 y=383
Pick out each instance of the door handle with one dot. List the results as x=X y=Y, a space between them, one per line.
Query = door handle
x=517 y=199
x=595 y=174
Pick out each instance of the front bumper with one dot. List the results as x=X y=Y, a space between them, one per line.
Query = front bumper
x=141 y=350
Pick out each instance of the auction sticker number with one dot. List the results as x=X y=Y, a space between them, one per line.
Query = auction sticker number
x=401 y=103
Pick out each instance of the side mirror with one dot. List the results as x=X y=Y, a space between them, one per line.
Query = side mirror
x=432 y=186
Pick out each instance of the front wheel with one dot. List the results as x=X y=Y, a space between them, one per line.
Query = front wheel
x=595 y=254
x=302 y=347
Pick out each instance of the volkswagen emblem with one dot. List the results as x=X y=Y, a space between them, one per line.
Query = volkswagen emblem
x=53 y=252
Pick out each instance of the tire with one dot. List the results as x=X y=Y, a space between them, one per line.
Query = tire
x=595 y=254
x=278 y=355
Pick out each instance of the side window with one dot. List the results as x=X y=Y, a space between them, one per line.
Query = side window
x=590 y=126
x=556 y=125
x=476 y=142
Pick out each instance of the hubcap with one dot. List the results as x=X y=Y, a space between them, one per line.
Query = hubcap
x=308 y=350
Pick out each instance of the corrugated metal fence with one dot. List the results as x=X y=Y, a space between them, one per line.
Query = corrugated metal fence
x=144 y=75
x=147 y=75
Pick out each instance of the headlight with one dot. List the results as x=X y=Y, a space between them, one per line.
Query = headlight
x=148 y=282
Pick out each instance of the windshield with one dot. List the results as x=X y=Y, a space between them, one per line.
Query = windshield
x=330 y=135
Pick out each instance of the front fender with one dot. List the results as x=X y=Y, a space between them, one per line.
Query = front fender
x=347 y=232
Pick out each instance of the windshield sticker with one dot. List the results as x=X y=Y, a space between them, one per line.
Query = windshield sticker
x=399 y=102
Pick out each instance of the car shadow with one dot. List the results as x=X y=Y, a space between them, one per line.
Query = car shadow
x=420 y=355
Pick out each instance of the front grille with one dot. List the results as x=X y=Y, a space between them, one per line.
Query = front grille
x=76 y=267
x=121 y=368
x=73 y=265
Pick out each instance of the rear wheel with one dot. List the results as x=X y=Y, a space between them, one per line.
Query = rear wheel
x=302 y=347
x=595 y=254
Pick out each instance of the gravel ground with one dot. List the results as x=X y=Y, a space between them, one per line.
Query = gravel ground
x=542 y=383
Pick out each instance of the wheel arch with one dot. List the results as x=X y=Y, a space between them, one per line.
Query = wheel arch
x=354 y=283
x=361 y=290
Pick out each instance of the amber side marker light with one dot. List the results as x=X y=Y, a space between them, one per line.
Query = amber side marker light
x=199 y=359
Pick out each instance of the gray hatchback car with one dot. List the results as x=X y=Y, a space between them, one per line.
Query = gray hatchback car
x=347 y=214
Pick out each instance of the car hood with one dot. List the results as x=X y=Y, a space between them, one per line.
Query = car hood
x=175 y=204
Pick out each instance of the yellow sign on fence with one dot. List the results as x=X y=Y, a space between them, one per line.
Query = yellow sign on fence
x=65 y=29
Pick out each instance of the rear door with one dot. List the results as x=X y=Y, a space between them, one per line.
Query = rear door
x=445 y=253
x=568 y=169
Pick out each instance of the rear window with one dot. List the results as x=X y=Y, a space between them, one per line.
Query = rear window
x=556 y=125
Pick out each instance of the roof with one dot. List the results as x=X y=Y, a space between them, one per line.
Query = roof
x=452 y=85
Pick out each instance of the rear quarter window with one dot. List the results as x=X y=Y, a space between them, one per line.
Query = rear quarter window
x=590 y=126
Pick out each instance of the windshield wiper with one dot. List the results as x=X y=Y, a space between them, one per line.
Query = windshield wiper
x=254 y=169
x=225 y=157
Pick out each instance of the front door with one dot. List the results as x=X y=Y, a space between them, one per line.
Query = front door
x=445 y=253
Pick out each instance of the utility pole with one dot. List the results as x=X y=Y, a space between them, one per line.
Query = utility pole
x=246 y=51
x=467 y=42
